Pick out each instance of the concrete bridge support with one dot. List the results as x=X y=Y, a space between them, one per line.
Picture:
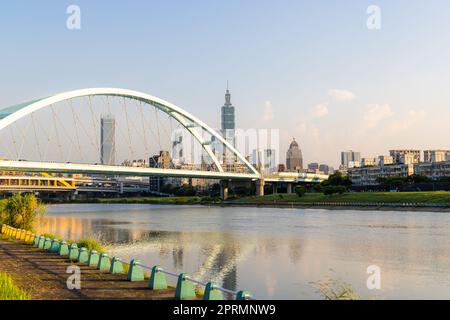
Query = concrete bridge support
x=274 y=188
x=224 y=187
x=289 y=188
x=259 y=187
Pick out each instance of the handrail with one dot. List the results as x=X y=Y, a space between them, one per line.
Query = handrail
x=20 y=234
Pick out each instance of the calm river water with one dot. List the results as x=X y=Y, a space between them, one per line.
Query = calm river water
x=274 y=253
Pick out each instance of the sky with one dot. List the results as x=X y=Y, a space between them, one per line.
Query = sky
x=311 y=69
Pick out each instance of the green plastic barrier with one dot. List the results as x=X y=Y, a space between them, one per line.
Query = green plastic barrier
x=212 y=293
x=63 y=249
x=73 y=252
x=243 y=295
x=157 y=279
x=185 y=288
x=135 y=272
x=116 y=265
x=93 y=258
x=104 y=262
x=83 y=255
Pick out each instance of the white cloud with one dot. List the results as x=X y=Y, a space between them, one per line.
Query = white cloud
x=268 y=112
x=341 y=95
x=376 y=114
x=320 y=110
x=411 y=118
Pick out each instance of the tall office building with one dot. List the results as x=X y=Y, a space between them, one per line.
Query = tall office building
x=294 y=158
x=228 y=127
x=108 y=140
x=350 y=157
x=405 y=156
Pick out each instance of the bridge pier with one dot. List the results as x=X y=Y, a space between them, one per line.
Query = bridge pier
x=259 y=187
x=289 y=188
x=224 y=187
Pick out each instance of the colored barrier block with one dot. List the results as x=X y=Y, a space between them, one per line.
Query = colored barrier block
x=157 y=279
x=41 y=242
x=83 y=255
x=185 y=288
x=47 y=243
x=135 y=272
x=23 y=234
x=3 y=228
x=73 y=252
x=116 y=266
x=243 y=295
x=36 y=241
x=55 y=246
x=93 y=258
x=104 y=263
x=27 y=238
x=63 y=249
x=212 y=293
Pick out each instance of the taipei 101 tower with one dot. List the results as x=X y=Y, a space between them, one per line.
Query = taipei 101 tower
x=228 y=126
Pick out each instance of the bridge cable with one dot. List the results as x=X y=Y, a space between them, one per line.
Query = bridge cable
x=94 y=121
x=118 y=127
x=56 y=117
x=55 y=128
x=76 y=129
x=147 y=151
x=24 y=134
x=36 y=137
x=130 y=142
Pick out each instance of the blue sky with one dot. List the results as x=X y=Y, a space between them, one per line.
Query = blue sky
x=309 y=68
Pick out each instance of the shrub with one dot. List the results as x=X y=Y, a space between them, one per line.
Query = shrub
x=21 y=211
x=300 y=191
x=330 y=190
x=9 y=290
x=91 y=244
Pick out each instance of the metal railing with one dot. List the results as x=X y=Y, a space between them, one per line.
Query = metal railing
x=43 y=243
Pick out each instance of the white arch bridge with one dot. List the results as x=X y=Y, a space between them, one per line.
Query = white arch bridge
x=219 y=159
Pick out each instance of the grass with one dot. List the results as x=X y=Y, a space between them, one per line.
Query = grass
x=91 y=244
x=10 y=291
x=331 y=289
x=395 y=197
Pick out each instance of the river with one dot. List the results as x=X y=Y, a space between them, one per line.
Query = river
x=274 y=253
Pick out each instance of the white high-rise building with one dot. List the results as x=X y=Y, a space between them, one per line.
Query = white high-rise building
x=108 y=140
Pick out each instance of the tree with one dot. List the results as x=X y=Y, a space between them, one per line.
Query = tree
x=186 y=190
x=330 y=190
x=337 y=179
x=21 y=211
x=300 y=191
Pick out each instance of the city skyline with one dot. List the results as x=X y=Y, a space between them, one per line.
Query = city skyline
x=334 y=84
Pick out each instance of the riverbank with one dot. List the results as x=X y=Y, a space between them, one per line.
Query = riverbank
x=407 y=201
x=44 y=276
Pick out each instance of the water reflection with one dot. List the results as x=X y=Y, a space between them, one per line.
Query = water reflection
x=275 y=253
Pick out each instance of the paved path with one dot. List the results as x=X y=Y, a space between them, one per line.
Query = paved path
x=44 y=275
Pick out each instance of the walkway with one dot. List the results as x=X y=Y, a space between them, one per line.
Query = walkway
x=44 y=275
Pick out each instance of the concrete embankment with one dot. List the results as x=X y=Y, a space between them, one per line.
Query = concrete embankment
x=339 y=206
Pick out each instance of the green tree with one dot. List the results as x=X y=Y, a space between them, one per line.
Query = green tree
x=330 y=190
x=186 y=191
x=21 y=211
x=337 y=179
x=300 y=191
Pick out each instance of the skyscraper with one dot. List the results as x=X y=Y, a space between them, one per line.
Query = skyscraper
x=108 y=140
x=228 y=127
x=294 y=158
x=349 y=156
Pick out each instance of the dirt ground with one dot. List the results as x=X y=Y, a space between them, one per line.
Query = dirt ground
x=45 y=276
